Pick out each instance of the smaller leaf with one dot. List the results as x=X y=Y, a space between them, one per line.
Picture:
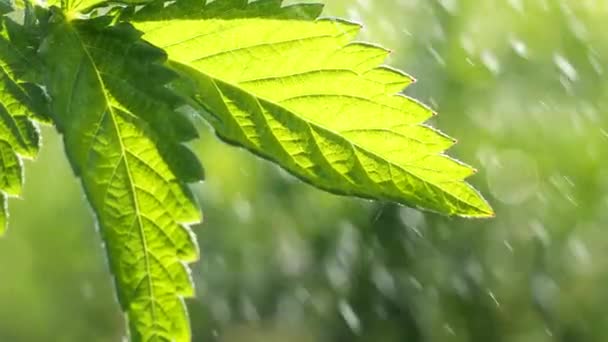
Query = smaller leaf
x=6 y=6
x=20 y=103
x=10 y=170
x=3 y=214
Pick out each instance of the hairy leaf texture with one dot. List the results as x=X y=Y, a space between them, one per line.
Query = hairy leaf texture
x=124 y=141
x=20 y=103
x=298 y=91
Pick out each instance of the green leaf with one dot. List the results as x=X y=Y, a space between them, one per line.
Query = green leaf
x=25 y=103
x=300 y=92
x=3 y=214
x=20 y=103
x=123 y=140
x=6 y=6
x=86 y=6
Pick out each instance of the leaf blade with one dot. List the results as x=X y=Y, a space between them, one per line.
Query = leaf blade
x=301 y=93
x=114 y=146
x=3 y=214
x=19 y=107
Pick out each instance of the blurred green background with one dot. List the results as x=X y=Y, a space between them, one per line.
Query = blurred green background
x=521 y=83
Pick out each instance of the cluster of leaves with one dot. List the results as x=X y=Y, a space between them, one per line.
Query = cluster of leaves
x=118 y=80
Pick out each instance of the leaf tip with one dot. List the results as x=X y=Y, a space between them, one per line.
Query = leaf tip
x=484 y=210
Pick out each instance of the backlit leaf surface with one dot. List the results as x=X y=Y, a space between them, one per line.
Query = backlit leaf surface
x=19 y=136
x=298 y=91
x=123 y=141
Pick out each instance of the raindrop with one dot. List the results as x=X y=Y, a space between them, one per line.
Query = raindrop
x=597 y=66
x=302 y=294
x=336 y=274
x=580 y=252
x=353 y=14
x=349 y=316
x=485 y=155
x=567 y=84
x=242 y=209
x=460 y=287
x=436 y=55
x=379 y=213
x=388 y=29
x=490 y=61
x=565 y=186
x=449 y=5
x=438 y=32
x=417 y=231
x=519 y=47
x=449 y=329
x=348 y=244
x=366 y=5
x=493 y=296
x=415 y=283
x=544 y=290
x=578 y=29
x=467 y=44
x=412 y=218
x=292 y=254
x=565 y=67
x=220 y=310
x=248 y=309
x=474 y=270
x=244 y=171
x=508 y=246
x=383 y=280
x=517 y=5
x=433 y=103
x=590 y=112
